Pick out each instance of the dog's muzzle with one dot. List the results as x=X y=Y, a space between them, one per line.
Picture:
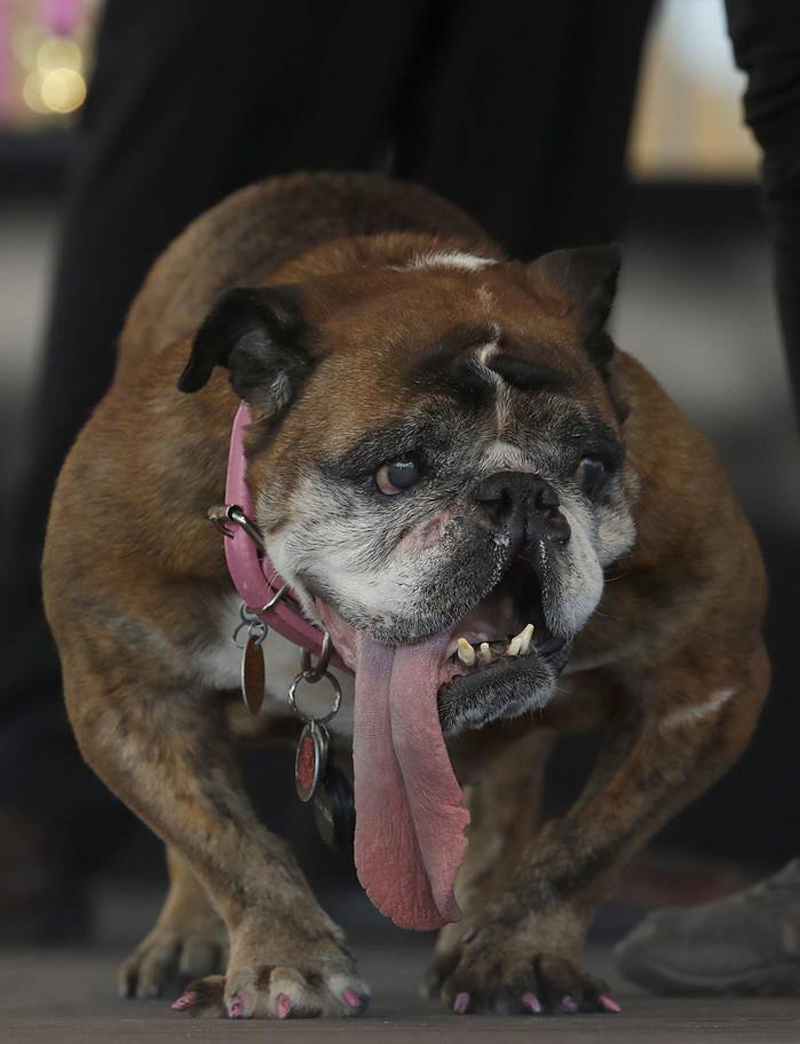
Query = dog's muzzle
x=521 y=507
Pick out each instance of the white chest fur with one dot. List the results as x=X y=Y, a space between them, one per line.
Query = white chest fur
x=219 y=666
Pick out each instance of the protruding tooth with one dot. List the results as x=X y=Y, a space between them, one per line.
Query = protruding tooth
x=526 y=634
x=485 y=653
x=465 y=652
x=520 y=643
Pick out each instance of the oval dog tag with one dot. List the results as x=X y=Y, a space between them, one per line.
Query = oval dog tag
x=310 y=760
x=253 y=674
x=334 y=810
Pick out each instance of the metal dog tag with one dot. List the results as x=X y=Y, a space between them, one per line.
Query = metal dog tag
x=334 y=810
x=311 y=759
x=253 y=673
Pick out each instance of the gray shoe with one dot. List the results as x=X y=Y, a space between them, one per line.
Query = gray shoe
x=747 y=943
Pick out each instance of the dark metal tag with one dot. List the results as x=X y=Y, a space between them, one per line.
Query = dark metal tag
x=253 y=674
x=334 y=810
x=310 y=760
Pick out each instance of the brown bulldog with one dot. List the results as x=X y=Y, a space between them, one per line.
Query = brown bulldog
x=504 y=524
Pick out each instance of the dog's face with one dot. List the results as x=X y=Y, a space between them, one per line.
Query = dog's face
x=435 y=449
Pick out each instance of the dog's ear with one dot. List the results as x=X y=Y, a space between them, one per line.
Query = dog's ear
x=259 y=335
x=580 y=283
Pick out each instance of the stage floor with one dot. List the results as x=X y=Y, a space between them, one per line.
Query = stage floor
x=68 y=996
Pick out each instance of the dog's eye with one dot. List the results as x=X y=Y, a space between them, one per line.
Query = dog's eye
x=591 y=476
x=397 y=475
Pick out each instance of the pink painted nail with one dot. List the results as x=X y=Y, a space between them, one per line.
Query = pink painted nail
x=284 y=1005
x=608 y=1003
x=351 y=997
x=461 y=1003
x=568 y=1004
x=530 y=1000
x=236 y=1008
x=469 y=935
x=184 y=1001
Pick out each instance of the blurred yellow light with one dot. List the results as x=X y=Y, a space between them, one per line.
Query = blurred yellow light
x=63 y=90
x=56 y=52
x=32 y=92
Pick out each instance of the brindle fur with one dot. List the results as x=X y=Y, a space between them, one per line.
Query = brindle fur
x=134 y=580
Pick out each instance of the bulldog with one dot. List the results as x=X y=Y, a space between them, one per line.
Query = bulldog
x=506 y=529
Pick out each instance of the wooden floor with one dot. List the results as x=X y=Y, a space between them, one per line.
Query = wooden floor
x=68 y=996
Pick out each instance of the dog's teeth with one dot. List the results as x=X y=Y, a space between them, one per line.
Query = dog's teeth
x=485 y=653
x=526 y=634
x=520 y=643
x=465 y=652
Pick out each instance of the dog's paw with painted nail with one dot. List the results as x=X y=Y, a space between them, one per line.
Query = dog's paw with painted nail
x=501 y=971
x=326 y=985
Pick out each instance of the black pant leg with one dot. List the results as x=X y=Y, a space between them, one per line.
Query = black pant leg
x=166 y=131
x=190 y=100
x=766 y=43
x=520 y=113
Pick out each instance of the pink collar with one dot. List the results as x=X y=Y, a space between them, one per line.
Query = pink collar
x=254 y=576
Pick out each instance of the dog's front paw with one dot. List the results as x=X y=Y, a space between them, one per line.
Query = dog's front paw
x=172 y=954
x=494 y=968
x=281 y=975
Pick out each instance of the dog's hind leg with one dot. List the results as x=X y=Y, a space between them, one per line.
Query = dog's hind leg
x=188 y=940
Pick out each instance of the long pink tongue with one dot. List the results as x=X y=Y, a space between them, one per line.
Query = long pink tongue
x=410 y=820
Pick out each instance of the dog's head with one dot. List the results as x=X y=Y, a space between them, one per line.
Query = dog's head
x=436 y=450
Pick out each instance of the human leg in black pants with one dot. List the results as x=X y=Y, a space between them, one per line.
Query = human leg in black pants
x=747 y=943
x=766 y=43
x=520 y=112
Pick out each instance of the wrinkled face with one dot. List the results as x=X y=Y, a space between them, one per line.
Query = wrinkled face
x=452 y=465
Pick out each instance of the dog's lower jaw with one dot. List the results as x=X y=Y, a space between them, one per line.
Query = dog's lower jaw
x=458 y=716
x=470 y=702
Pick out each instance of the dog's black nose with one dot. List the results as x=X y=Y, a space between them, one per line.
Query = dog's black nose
x=523 y=504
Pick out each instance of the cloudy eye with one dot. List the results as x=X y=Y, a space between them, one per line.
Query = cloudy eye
x=397 y=475
x=591 y=476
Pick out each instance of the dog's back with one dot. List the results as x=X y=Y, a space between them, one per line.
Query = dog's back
x=260 y=228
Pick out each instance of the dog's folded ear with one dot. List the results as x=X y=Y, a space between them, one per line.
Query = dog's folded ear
x=580 y=283
x=260 y=336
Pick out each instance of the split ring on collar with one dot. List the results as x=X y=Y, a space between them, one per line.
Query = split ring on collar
x=337 y=696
